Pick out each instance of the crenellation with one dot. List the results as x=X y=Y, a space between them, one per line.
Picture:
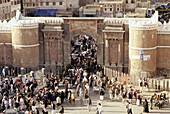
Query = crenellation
x=163 y=28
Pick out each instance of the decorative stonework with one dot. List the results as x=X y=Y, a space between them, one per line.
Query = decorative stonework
x=54 y=21
x=5 y=43
x=25 y=24
x=135 y=23
x=163 y=28
x=152 y=48
x=5 y=27
x=142 y=48
x=116 y=21
x=138 y=26
x=144 y=24
x=46 y=20
x=77 y=24
x=25 y=46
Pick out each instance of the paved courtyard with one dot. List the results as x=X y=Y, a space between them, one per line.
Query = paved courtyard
x=111 y=107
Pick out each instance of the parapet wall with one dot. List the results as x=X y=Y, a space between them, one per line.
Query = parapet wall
x=163 y=49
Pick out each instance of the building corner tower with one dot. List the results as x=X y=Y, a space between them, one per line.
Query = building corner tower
x=25 y=41
x=142 y=48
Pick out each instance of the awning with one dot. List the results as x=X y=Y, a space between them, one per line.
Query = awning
x=46 y=12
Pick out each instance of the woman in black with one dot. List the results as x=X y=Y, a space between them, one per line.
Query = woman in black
x=145 y=105
x=89 y=104
x=44 y=111
x=36 y=111
x=62 y=97
x=130 y=96
x=61 y=111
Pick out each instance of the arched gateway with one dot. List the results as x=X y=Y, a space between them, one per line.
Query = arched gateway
x=108 y=35
x=91 y=27
x=139 y=45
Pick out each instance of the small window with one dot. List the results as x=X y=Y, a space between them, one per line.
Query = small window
x=47 y=3
x=132 y=1
x=54 y=3
x=105 y=9
x=60 y=3
x=117 y=9
x=70 y=5
x=126 y=1
x=110 y=9
x=41 y=3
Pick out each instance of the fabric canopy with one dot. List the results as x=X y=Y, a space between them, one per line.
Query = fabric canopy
x=46 y=12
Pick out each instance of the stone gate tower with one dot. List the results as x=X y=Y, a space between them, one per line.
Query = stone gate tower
x=25 y=41
x=142 y=48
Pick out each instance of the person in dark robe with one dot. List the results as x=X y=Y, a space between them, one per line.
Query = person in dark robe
x=66 y=90
x=146 y=107
x=44 y=111
x=46 y=103
x=61 y=110
x=36 y=111
x=62 y=97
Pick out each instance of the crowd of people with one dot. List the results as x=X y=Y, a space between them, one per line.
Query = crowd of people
x=81 y=76
x=158 y=100
x=28 y=95
x=83 y=53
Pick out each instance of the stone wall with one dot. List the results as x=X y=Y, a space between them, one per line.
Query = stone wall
x=25 y=47
x=163 y=54
x=72 y=4
x=5 y=49
x=134 y=36
x=84 y=2
x=142 y=41
x=41 y=49
x=126 y=48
